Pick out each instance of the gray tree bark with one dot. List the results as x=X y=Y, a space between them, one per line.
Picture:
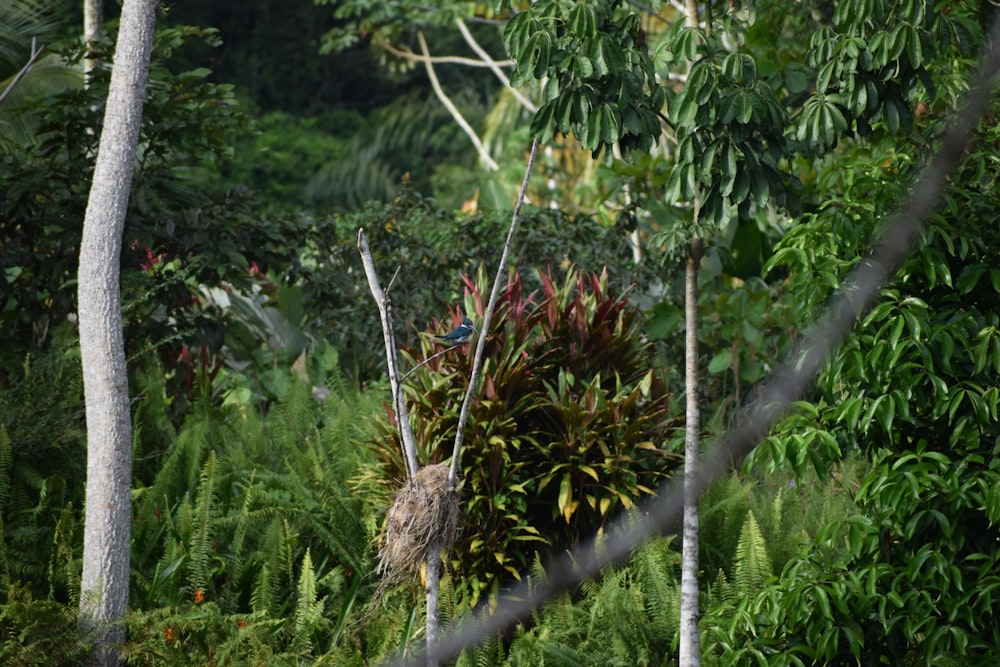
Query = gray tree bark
x=690 y=641
x=93 y=31
x=105 y=579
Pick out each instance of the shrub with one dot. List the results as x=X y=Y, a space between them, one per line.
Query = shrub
x=568 y=427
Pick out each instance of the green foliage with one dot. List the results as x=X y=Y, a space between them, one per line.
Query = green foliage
x=275 y=493
x=408 y=139
x=178 y=237
x=913 y=578
x=432 y=247
x=42 y=464
x=40 y=633
x=25 y=27
x=752 y=568
x=875 y=63
x=729 y=127
x=569 y=428
x=361 y=18
x=599 y=83
x=284 y=151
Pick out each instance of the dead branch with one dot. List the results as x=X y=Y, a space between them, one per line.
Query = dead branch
x=452 y=109
x=494 y=66
x=20 y=75
x=392 y=361
x=406 y=54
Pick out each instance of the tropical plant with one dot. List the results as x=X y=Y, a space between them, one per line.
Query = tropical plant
x=914 y=386
x=570 y=428
x=178 y=237
x=42 y=465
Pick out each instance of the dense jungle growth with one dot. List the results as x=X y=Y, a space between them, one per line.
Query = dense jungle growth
x=780 y=134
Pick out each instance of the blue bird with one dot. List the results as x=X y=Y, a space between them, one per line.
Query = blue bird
x=461 y=334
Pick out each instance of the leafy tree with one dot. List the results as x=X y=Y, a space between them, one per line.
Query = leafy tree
x=915 y=387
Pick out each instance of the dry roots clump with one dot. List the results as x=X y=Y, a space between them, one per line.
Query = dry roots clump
x=424 y=515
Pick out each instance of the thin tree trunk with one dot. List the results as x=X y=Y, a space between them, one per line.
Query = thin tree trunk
x=105 y=579
x=433 y=593
x=690 y=641
x=93 y=31
x=690 y=644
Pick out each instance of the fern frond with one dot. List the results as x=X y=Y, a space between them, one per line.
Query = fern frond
x=308 y=606
x=202 y=540
x=6 y=462
x=261 y=598
x=753 y=567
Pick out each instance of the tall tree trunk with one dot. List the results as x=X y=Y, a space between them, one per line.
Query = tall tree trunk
x=93 y=31
x=105 y=580
x=690 y=644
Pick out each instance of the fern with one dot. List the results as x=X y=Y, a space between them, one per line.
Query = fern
x=202 y=538
x=753 y=567
x=308 y=614
x=722 y=593
x=182 y=463
x=655 y=566
x=261 y=596
x=6 y=462
x=63 y=567
x=6 y=459
x=40 y=633
x=488 y=653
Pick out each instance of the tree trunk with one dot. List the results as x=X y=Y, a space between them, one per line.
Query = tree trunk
x=93 y=31
x=105 y=580
x=433 y=592
x=690 y=644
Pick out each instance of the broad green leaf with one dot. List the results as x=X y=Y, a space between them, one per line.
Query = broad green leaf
x=722 y=361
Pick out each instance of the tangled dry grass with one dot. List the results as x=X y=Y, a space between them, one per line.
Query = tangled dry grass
x=424 y=514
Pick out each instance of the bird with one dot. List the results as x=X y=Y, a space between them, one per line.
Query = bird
x=461 y=334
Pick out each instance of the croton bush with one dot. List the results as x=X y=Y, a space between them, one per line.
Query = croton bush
x=569 y=425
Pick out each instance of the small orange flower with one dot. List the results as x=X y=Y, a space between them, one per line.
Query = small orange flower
x=199 y=596
x=169 y=634
x=241 y=623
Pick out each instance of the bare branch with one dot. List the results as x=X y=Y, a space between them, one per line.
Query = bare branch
x=453 y=110
x=494 y=66
x=406 y=54
x=392 y=361
x=477 y=363
x=428 y=360
x=20 y=75
x=649 y=10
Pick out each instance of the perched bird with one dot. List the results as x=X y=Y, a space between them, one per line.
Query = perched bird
x=462 y=333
